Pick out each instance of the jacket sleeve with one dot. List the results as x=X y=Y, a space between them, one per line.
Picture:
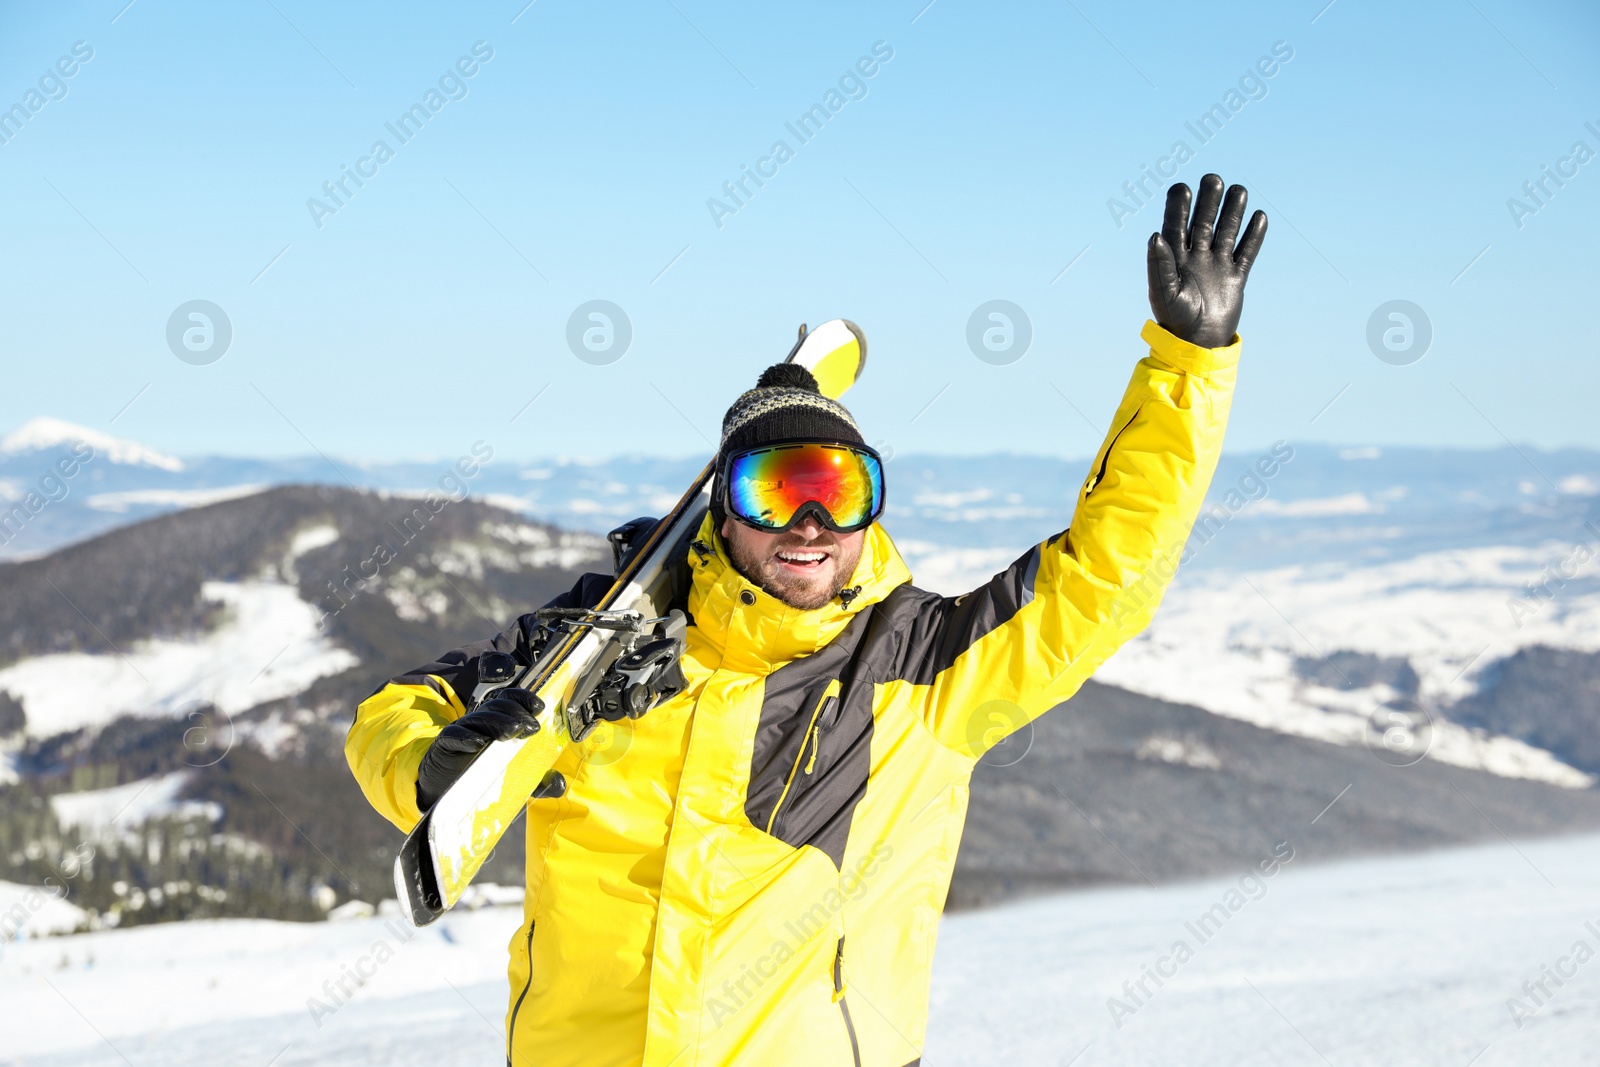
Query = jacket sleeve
x=395 y=725
x=1000 y=656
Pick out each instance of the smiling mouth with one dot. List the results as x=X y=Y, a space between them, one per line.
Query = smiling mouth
x=801 y=559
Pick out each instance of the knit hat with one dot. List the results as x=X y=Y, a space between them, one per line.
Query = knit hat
x=785 y=405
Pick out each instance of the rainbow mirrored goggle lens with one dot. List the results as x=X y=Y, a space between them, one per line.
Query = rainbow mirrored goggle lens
x=770 y=488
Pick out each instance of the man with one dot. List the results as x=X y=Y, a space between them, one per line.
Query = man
x=753 y=872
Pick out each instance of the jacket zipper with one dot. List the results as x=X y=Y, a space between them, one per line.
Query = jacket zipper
x=1105 y=459
x=812 y=741
x=511 y=1030
x=844 y=1006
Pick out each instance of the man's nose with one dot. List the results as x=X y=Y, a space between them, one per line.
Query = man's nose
x=809 y=528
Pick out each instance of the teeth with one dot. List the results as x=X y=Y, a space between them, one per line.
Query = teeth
x=803 y=557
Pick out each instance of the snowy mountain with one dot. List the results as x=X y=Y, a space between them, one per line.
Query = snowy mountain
x=116 y=482
x=1452 y=561
x=1413 y=626
x=185 y=684
x=50 y=435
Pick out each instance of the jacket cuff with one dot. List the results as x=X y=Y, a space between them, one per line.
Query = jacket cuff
x=1181 y=355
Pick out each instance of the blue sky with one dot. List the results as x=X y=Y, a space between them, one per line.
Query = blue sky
x=975 y=164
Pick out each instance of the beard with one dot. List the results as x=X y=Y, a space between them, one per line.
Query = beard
x=761 y=568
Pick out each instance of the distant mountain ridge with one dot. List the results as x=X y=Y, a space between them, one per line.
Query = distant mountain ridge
x=1355 y=505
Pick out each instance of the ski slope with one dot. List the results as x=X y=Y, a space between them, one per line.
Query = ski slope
x=1403 y=960
x=1226 y=639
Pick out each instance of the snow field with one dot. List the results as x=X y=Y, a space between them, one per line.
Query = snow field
x=95 y=813
x=1400 y=961
x=28 y=911
x=1395 y=961
x=142 y=992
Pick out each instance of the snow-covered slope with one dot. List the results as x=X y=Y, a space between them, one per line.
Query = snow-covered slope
x=1335 y=963
x=269 y=647
x=284 y=984
x=1441 y=564
x=1236 y=642
x=1401 y=961
x=96 y=813
x=32 y=911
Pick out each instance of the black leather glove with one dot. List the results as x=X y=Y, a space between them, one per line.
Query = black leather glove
x=509 y=714
x=1197 y=276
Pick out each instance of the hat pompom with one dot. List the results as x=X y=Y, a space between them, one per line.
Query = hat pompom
x=788 y=375
x=786 y=405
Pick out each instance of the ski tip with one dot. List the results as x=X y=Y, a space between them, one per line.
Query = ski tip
x=413 y=882
x=834 y=352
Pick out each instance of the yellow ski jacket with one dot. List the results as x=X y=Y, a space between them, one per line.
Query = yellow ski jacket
x=753 y=872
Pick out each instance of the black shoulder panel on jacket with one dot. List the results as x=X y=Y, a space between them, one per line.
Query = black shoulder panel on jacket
x=934 y=630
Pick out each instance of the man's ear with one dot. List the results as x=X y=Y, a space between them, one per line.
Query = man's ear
x=727 y=524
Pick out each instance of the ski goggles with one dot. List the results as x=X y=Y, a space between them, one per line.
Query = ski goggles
x=774 y=487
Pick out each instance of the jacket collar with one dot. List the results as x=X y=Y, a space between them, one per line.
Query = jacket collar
x=759 y=633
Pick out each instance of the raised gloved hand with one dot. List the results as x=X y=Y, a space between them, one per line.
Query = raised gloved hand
x=1197 y=276
x=507 y=715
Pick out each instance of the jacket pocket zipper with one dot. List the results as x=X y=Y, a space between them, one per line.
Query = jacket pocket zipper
x=844 y=1006
x=511 y=1030
x=812 y=741
x=1105 y=459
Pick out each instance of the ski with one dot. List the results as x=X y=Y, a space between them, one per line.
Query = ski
x=618 y=659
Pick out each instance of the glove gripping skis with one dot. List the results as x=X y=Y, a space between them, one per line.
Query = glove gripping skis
x=617 y=660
